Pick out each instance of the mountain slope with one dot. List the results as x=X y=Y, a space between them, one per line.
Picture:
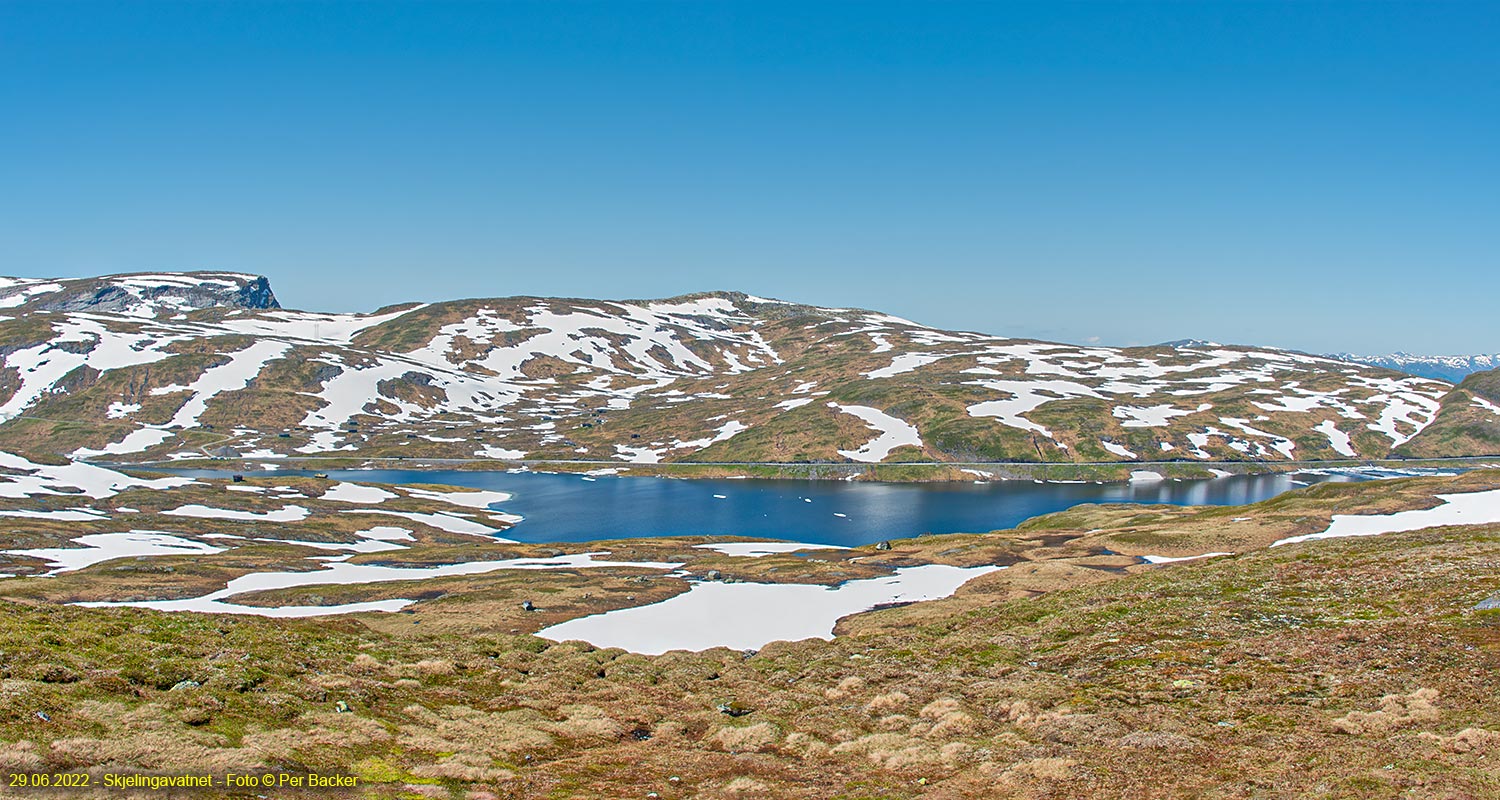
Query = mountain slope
x=145 y=294
x=1468 y=424
x=709 y=377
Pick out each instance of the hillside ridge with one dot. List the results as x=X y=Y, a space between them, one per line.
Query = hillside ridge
x=172 y=366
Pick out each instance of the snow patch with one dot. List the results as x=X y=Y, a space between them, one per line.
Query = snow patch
x=751 y=615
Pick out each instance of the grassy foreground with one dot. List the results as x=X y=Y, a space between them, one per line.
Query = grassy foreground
x=1342 y=668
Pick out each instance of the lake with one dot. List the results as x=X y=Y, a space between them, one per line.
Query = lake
x=574 y=508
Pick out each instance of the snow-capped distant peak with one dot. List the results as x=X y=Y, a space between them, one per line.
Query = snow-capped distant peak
x=1447 y=368
x=1189 y=343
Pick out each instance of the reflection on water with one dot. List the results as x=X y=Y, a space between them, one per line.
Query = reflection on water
x=569 y=508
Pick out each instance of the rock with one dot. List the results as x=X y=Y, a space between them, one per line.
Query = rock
x=341 y=707
x=713 y=575
x=1491 y=603
x=883 y=546
x=527 y=605
x=733 y=709
x=187 y=684
x=195 y=716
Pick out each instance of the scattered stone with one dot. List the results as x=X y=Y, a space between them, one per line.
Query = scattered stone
x=341 y=707
x=733 y=709
x=527 y=605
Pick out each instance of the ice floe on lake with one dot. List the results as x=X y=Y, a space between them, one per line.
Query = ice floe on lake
x=758 y=549
x=468 y=499
x=443 y=522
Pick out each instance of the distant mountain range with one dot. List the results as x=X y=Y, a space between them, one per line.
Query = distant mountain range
x=1445 y=368
x=183 y=365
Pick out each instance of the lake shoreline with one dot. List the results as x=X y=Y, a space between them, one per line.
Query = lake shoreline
x=551 y=507
x=905 y=472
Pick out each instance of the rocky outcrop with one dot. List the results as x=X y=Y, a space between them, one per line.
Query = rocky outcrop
x=142 y=295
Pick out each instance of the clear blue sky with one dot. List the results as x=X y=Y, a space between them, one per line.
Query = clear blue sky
x=1318 y=176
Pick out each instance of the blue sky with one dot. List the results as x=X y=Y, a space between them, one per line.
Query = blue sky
x=1317 y=176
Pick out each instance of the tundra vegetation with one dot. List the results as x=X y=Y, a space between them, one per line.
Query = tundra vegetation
x=1351 y=667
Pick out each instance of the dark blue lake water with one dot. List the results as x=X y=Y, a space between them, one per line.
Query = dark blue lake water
x=571 y=508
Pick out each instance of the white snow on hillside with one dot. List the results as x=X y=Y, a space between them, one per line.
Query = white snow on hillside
x=1026 y=396
x=309 y=326
x=1152 y=416
x=27 y=291
x=751 y=615
x=95 y=548
x=493 y=362
x=1337 y=439
x=1470 y=508
x=73 y=478
x=1481 y=403
x=903 y=363
x=894 y=433
x=340 y=573
x=1406 y=406
x=284 y=514
x=726 y=432
x=357 y=493
x=242 y=368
